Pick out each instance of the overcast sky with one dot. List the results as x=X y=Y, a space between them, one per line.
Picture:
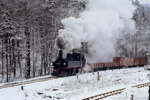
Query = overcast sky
x=145 y=1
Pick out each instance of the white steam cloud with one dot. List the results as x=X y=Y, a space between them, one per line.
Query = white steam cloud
x=100 y=25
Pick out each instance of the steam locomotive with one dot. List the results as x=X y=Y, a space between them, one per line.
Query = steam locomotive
x=71 y=65
x=74 y=63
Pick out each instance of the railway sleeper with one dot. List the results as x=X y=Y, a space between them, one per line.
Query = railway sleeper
x=108 y=95
x=141 y=84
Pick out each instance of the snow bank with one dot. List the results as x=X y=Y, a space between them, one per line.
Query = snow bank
x=80 y=86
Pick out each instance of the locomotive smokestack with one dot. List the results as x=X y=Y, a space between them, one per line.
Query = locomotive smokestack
x=60 y=54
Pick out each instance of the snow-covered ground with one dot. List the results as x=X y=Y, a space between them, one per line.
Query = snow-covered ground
x=138 y=94
x=82 y=86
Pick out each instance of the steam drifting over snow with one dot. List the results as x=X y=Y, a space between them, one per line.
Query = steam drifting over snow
x=100 y=25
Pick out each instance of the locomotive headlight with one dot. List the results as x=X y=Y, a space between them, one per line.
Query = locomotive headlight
x=64 y=63
x=51 y=64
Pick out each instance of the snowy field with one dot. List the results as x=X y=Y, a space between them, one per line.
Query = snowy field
x=82 y=86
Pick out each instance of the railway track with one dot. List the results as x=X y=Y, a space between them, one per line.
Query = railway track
x=114 y=92
x=142 y=85
x=26 y=82
x=105 y=95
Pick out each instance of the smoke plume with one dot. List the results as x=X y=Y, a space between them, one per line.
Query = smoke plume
x=99 y=25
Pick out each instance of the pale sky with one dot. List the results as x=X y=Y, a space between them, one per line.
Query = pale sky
x=145 y=1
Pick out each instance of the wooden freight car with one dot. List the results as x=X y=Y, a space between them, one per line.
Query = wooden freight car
x=140 y=61
x=124 y=61
x=119 y=62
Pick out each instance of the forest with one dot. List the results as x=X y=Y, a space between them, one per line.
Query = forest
x=28 y=30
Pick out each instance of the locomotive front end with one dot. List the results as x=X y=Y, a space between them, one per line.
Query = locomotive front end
x=58 y=65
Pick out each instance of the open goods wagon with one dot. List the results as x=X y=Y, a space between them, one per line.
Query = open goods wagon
x=119 y=62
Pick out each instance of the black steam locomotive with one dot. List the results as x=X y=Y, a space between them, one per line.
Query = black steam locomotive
x=71 y=65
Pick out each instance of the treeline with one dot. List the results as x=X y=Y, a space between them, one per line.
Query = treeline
x=136 y=45
x=28 y=29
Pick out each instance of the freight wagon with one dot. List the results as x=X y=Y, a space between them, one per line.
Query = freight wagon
x=119 y=62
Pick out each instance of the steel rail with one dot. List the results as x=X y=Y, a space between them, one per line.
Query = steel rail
x=26 y=82
x=105 y=95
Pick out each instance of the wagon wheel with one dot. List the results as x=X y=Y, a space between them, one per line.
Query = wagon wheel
x=70 y=71
x=77 y=70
